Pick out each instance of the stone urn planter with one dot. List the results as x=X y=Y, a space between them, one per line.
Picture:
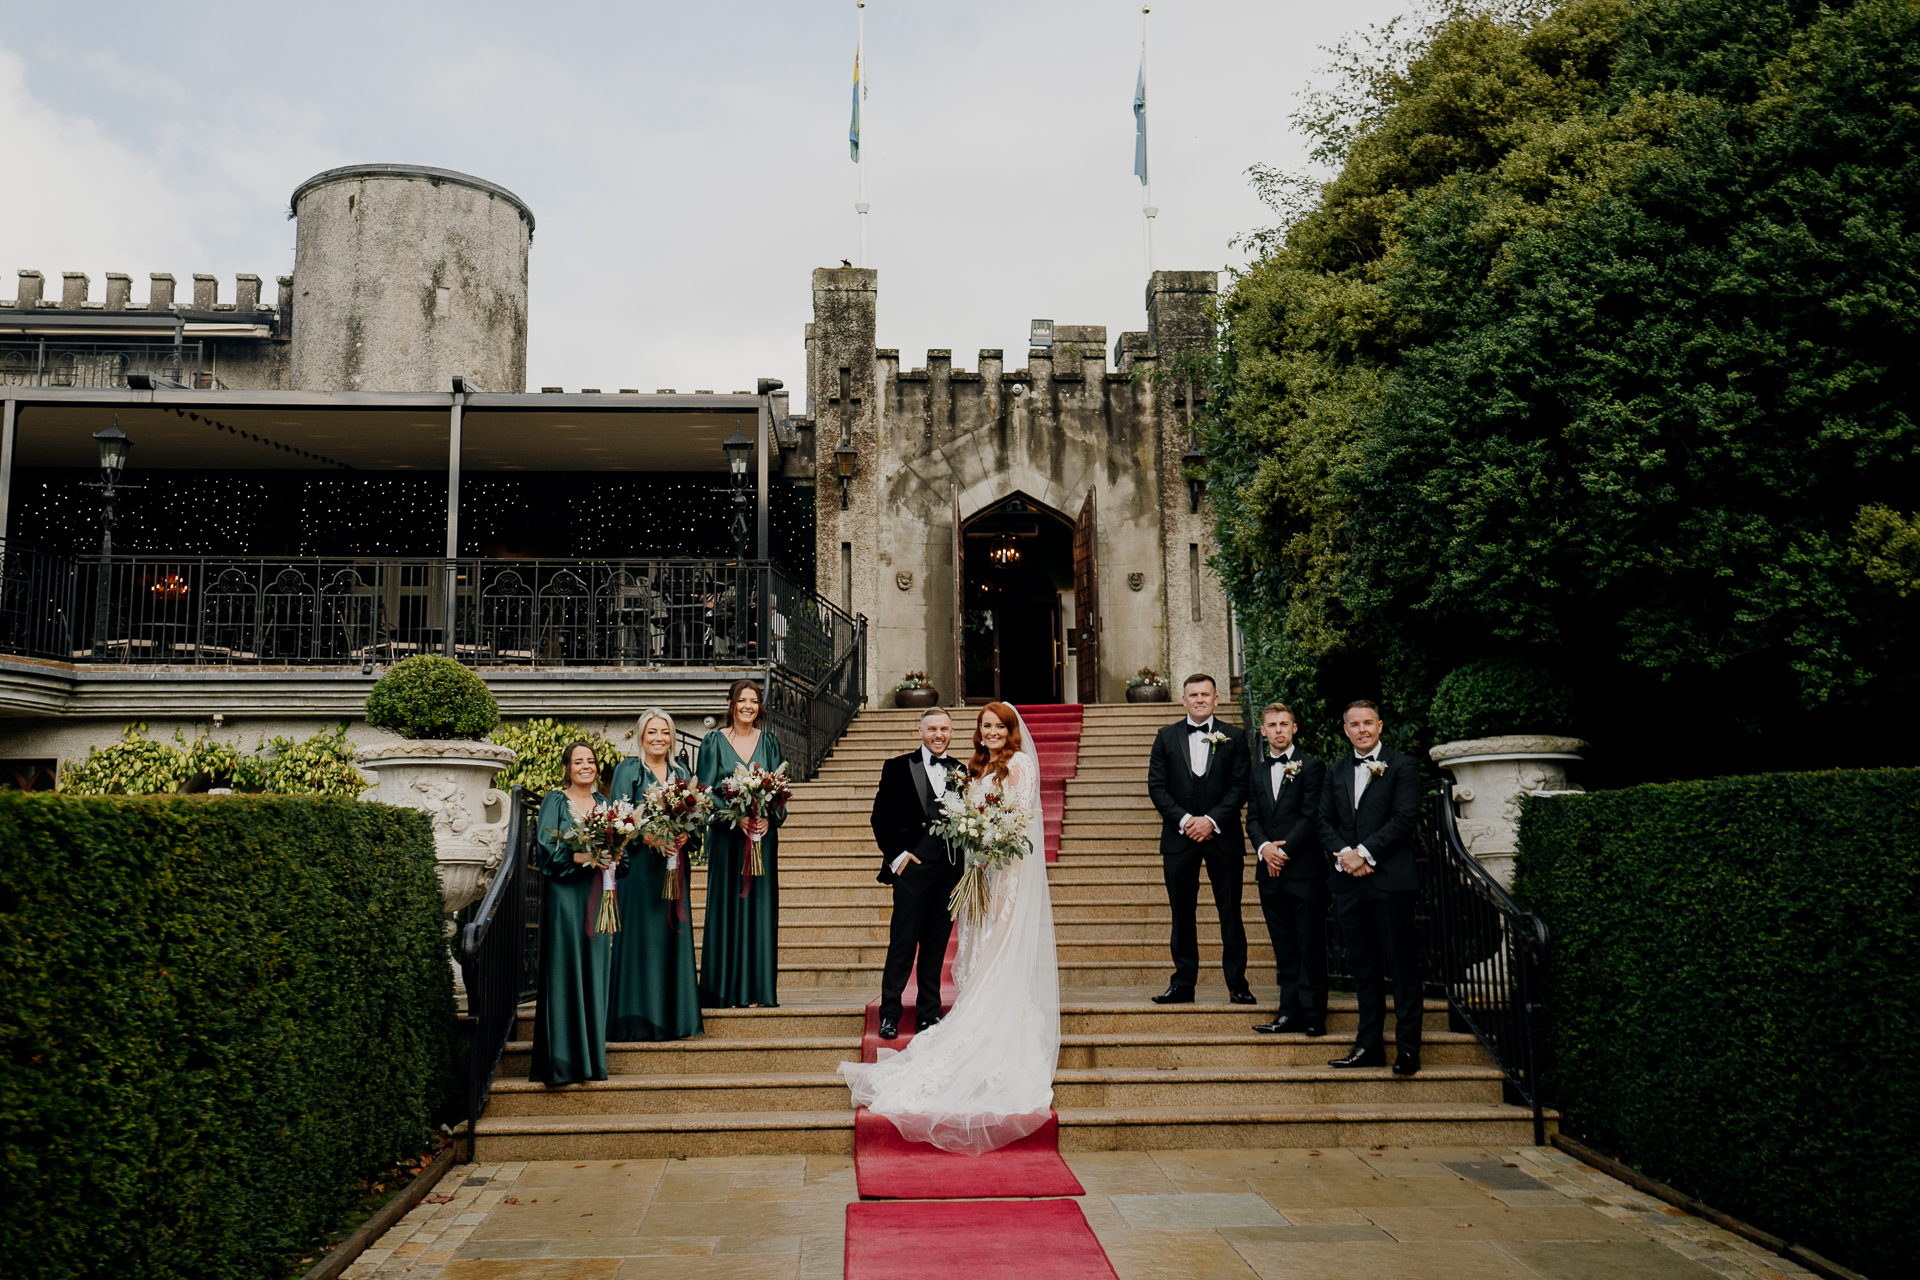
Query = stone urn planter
x=918 y=699
x=1148 y=693
x=451 y=781
x=1490 y=777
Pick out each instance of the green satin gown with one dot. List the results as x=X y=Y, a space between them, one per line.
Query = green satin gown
x=740 y=950
x=656 y=993
x=570 y=1022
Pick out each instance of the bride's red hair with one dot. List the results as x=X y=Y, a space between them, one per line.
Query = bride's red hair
x=995 y=761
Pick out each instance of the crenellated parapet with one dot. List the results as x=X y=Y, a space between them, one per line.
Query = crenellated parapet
x=76 y=294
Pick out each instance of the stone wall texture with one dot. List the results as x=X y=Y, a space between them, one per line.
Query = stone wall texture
x=405 y=277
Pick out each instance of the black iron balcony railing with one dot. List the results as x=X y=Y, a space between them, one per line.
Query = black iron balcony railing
x=50 y=362
x=209 y=611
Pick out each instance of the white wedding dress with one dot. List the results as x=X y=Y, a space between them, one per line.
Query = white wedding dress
x=983 y=1077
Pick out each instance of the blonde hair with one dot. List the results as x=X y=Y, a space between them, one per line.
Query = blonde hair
x=640 y=732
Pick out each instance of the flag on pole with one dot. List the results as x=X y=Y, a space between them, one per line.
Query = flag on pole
x=853 y=130
x=1140 y=124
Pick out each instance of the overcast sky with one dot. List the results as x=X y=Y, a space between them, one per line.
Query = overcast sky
x=687 y=163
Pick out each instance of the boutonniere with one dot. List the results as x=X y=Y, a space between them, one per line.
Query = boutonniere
x=1289 y=769
x=1376 y=766
x=1213 y=739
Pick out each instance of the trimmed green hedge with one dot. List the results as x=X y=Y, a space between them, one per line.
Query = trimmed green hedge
x=218 y=1013
x=1734 y=996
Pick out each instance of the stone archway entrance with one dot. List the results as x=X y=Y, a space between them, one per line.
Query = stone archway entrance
x=1017 y=559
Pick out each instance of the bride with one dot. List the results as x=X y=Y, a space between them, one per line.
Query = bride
x=983 y=1076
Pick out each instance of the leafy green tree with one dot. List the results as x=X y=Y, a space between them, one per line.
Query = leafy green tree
x=1590 y=354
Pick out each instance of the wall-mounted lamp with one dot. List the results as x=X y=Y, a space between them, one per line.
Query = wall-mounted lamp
x=739 y=448
x=1196 y=483
x=843 y=460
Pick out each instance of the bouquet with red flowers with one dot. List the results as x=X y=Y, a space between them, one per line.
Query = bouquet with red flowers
x=672 y=809
x=603 y=836
x=752 y=793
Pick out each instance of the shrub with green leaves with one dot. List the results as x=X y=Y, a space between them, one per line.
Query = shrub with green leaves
x=428 y=696
x=136 y=765
x=539 y=743
x=1731 y=999
x=223 y=1012
x=1501 y=695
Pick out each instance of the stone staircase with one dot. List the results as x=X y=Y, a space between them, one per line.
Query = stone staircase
x=1132 y=1074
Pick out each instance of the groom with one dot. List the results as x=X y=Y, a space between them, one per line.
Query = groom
x=921 y=868
x=1197 y=779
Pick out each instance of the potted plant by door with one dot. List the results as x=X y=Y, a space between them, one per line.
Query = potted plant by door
x=440 y=763
x=916 y=690
x=1147 y=685
x=1503 y=729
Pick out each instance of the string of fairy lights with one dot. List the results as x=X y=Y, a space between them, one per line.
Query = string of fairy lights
x=530 y=514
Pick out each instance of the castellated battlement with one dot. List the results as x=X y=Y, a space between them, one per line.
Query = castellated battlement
x=76 y=294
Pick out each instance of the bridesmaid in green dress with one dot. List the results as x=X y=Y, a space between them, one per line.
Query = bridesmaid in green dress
x=570 y=1023
x=740 y=952
x=655 y=990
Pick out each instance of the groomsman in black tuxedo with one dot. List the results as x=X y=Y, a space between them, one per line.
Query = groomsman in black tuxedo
x=921 y=868
x=1197 y=778
x=1369 y=816
x=1283 y=825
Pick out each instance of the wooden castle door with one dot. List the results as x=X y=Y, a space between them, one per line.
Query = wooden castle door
x=1086 y=603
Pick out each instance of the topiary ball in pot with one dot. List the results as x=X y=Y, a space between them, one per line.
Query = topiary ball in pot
x=1494 y=697
x=427 y=696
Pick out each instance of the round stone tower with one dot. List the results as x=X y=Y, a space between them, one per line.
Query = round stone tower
x=404 y=276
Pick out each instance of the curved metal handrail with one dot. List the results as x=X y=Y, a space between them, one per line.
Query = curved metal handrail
x=476 y=931
x=1483 y=879
x=493 y=960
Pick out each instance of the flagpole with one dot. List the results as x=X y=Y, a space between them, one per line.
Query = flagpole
x=1147 y=206
x=860 y=206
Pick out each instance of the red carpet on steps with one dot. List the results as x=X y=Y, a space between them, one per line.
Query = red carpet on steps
x=1055 y=727
x=889 y=1167
x=973 y=1240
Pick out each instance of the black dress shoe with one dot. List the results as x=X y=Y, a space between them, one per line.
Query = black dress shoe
x=1282 y=1022
x=1405 y=1064
x=1242 y=997
x=1361 y=1058
x=1314 y=1029
x=1175 y=995
x=889 y=1028
x=927 y=1023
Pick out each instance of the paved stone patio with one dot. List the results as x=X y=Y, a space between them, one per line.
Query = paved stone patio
x=1436 y=1213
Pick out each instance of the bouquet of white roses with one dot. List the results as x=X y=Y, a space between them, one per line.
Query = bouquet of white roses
x=751 y=793
x=677 y=807
x=603 y=836
x=990 y=831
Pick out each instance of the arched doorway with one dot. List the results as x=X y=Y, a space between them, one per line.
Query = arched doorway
x=1018 y=559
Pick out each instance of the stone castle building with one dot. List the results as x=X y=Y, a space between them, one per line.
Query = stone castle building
x=1027 y=533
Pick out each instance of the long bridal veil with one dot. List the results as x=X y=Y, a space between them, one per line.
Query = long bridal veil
x=983 y=1077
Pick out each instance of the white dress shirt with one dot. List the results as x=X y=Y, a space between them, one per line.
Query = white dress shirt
x=1361 y=777
x=1278 y=773
x=1198 y=749
x=936 y=779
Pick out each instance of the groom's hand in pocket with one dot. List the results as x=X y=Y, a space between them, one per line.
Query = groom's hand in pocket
x=901 y=863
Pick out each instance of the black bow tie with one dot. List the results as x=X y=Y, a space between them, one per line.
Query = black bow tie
x=1280 y=759
x=1196 y=728
x=1360 y=760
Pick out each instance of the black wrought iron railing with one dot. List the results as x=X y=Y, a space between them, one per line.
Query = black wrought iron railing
x=500 y=958
x=1486 y=952
x=45 y=362
x=350 y=610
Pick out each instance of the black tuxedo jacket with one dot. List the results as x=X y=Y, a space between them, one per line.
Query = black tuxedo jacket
x=903 y=809
x=1293 y=817
x=1217 y=794
x=1387 y=822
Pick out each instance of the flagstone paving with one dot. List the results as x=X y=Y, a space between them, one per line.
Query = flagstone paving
x=1439 y=1213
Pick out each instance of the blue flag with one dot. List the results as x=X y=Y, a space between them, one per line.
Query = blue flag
x=1140 y=125
x=853 y=129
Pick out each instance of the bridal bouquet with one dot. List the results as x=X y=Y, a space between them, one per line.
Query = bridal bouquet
x=603 y=836
x=752 y=793
x=990 y=831
x=674 y=808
